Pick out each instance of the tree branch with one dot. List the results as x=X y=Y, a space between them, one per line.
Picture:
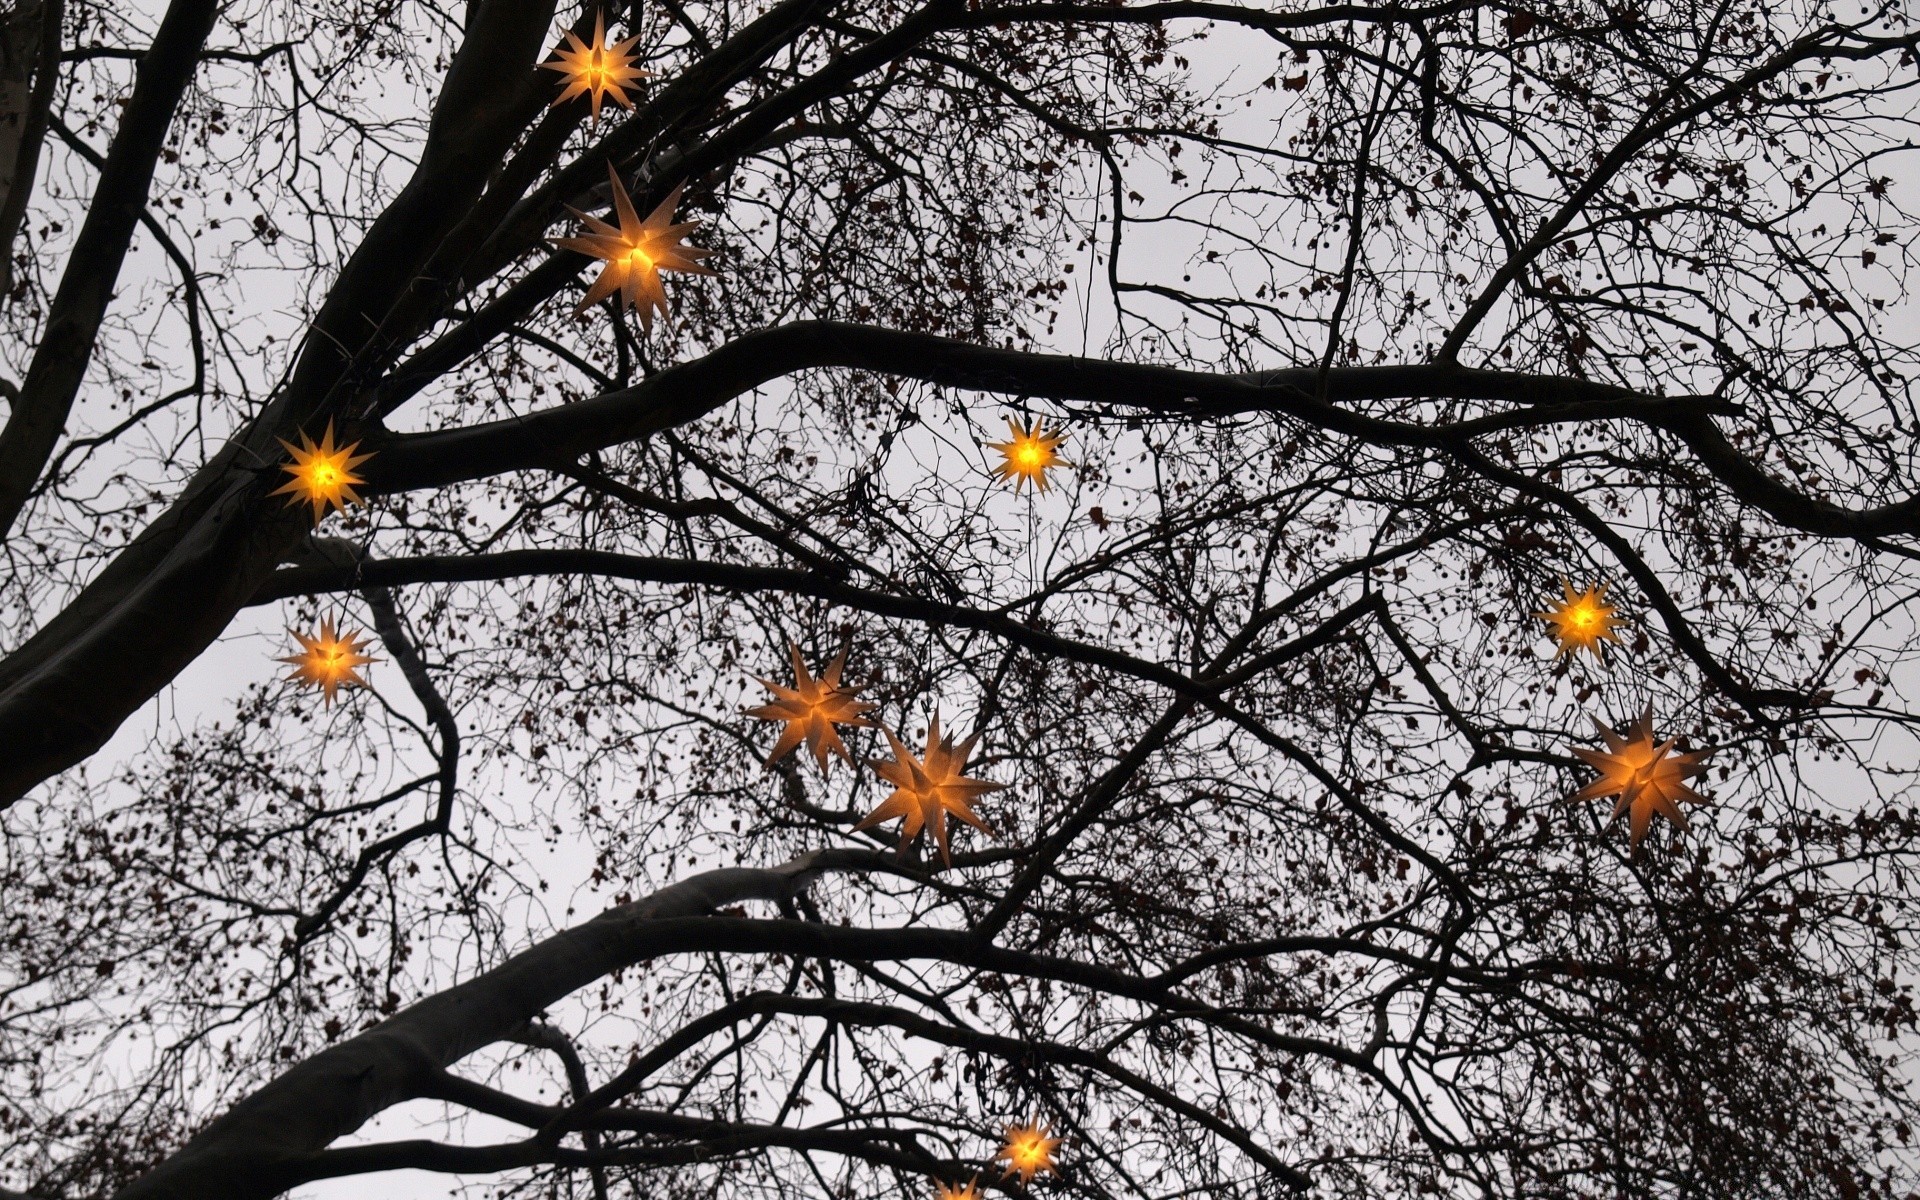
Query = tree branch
x=60 y=361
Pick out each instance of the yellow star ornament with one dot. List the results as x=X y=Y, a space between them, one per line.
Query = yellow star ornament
x=329 y=660
x=1029 y=1150
x=927 y=789
x=1030 y=453
x=811 y=708
x=322 y=475
x=598 y=70
x=1581 y=622
x=956 y=1191
x=635 y=252
x=1647 y=776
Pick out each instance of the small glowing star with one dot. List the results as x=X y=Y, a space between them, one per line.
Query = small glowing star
x=1030 y=453
x=1581 y=622
x=957 y=1191
x=1028 y=1151
x=329 y=660
x=598 y=70
x=322 y=475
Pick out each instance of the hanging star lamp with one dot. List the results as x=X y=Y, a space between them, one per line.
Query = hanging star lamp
x=1581 y=622
x=635 y=252
x=329 y=660
x=1647 y=776
x=929 y=788
x=956 y=1191
x=322 y=475
x=1029 y=454
x=1028 y=1150
x=811 y=708
x=598 y=70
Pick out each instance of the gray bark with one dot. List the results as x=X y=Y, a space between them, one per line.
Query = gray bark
x=258 y=1149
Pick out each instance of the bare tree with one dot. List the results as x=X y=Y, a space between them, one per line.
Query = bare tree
x=1393 y=322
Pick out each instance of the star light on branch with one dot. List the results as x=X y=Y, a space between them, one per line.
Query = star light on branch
x=329 y=660
x=1030 y=454
x=928 y=788
x=1028 y=1150
x=597 y=70
x=322 y=475
x=636 y=252
x=811 y=708
x=1647 y=776
x=957 y=1191
x=1581 y=622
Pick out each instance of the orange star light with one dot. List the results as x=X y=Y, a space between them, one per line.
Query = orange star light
x=1030 y=454
x=1647 y=777
x=1028 y=1151
x=926 y=789
x=956 y=1191
x=322 y=475
x=598 y=70
x=1581 y=621
x=811 y=708
x=636 y=252
x=329 y=660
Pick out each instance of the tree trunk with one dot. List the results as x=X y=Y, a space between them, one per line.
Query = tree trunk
x=29 y=64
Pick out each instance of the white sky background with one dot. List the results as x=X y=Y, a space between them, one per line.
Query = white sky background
x=246 y=652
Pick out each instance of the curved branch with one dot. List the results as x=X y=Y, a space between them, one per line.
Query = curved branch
x=688 y=391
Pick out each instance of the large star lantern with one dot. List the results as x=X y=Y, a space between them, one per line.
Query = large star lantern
x=1647 y=775
x=929 y=788
x=811 y=709
x=635 y=252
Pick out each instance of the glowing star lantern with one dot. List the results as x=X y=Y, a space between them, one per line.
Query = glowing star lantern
x=322 y=475
x=1028 y=1151
x=598 y=70
x=928 y=788
x=329 y=660
x=1647 y=776
x=635 y=252
x=956 y=1191
x=1581 y=622
x=1028 y=456
x=811 y=708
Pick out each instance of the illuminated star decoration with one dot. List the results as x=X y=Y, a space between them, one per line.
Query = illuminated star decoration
x=1647 y=776
x=322 y=475
x=597 y=70
x=636 y=252
x=1030 y=453
x=1580 y=622
x=1028 y=1151
x=926 y=789
x=957 y=1191
x=811 y=708
x=329 y=660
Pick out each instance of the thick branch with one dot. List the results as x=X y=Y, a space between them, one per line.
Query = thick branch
x=59 y=363
x=258 y=1148
x=690 y=390
x=29 y=65
x=270 y=1141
